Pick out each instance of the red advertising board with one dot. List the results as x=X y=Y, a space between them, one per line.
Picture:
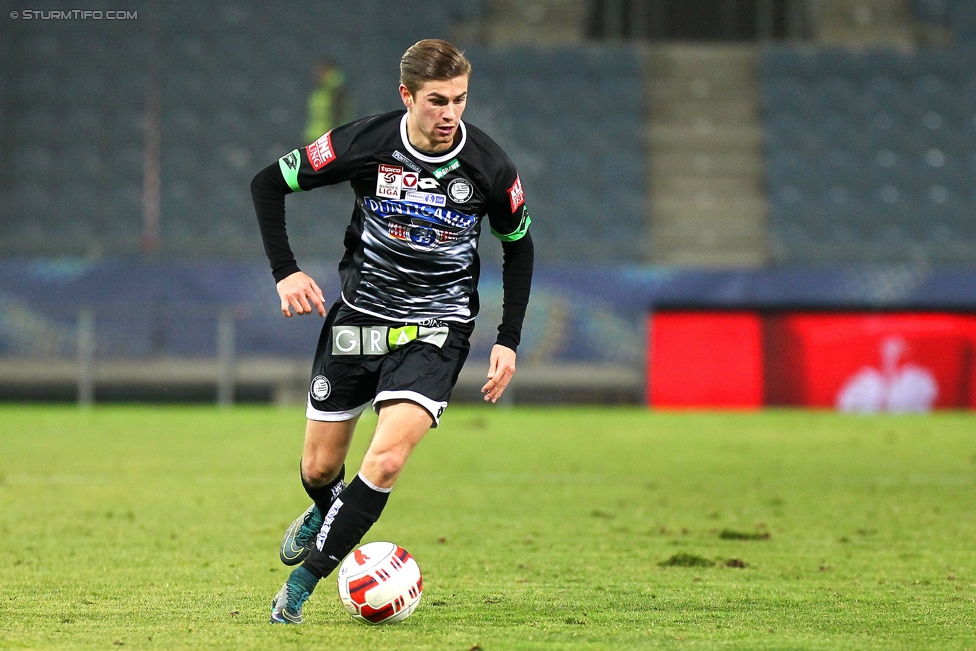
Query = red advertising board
x=712 y=360
x=854 y=361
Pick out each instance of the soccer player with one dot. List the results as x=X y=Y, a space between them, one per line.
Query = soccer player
x=398 y=335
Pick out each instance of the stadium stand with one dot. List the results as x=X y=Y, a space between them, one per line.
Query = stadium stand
x=233 y=83
x=71 y=171
x=869 y=155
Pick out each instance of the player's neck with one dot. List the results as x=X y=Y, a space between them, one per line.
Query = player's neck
x=423 y=145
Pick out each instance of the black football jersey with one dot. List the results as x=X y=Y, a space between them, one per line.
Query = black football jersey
x=411 y=248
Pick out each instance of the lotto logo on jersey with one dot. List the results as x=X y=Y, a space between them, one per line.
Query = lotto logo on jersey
x=389 y=181
x=320 y=152
x=515 y=195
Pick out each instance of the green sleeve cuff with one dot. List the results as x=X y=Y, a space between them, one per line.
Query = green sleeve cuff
x=289 y=164
x=519 y=232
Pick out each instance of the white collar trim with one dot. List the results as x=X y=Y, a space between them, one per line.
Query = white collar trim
x=431 y=159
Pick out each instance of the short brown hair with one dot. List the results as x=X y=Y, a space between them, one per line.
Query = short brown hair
x=431 y=60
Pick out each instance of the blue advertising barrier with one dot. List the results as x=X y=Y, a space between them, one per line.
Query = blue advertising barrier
x=577 y=314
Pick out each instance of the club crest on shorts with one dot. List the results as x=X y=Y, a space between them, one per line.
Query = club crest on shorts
x=320 y=388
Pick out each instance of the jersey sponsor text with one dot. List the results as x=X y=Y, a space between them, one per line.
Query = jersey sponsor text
x=406 y=161
x=430 y=213
x=320 y=153
x=515 y=194
x=429 y=198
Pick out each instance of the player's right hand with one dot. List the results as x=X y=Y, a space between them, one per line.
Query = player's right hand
x=300 y=291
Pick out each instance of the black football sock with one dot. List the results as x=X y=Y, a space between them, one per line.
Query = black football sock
x=354 y=511
x=324 y=495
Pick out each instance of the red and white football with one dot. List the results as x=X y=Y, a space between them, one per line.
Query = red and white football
x=380 y=583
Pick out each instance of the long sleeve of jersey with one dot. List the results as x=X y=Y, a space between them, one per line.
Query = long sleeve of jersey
x=268 y=190
x=517 y=262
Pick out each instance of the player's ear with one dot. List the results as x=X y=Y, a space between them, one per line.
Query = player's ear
x=406 y=96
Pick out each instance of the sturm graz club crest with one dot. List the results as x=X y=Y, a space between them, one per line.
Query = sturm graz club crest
x=459 y=190
x=320 y=388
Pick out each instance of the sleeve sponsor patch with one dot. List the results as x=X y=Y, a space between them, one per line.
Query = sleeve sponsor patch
x=515 y=195
x=290 y=160
x=288 y=164
x=320 y=152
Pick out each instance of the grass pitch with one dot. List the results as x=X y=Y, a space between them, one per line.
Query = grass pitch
x=535 y=529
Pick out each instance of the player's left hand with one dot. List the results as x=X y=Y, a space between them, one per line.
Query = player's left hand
x=300 y=290
x=501 y=367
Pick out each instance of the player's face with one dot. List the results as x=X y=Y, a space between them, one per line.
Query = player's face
x=434 y=112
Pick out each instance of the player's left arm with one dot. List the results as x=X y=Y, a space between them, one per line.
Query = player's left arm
x=510 y=221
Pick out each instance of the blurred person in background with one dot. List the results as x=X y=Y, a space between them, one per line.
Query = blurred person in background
x=329 y=105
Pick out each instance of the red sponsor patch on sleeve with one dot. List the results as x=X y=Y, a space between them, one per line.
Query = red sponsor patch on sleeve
x=320 y=152
x=515 y=195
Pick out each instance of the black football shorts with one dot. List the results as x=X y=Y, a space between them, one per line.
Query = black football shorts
x=361 y=359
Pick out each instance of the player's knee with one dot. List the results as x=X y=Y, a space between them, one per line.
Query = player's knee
x=320 y=470
x=385 y=466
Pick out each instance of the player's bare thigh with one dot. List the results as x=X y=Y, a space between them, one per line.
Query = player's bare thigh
x=402 y=424
x=326 y=446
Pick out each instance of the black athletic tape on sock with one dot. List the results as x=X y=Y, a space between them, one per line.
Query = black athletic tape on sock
x=323 y=495
x=355 y=510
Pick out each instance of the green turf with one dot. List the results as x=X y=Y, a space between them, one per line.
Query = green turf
x=535 y=529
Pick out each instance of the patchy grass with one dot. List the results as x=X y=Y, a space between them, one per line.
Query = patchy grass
x=684 y=559
x=732 y=534
x=535 y=528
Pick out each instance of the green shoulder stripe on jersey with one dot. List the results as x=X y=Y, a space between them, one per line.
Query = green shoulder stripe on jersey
x=519 y=232
x=289 y=164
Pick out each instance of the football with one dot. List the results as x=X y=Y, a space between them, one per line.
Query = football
x=380 y=583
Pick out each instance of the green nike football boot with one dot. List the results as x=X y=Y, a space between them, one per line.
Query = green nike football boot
x=287 y=605
x=300 y=535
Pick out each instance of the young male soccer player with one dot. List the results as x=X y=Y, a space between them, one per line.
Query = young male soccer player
x=398 y=336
